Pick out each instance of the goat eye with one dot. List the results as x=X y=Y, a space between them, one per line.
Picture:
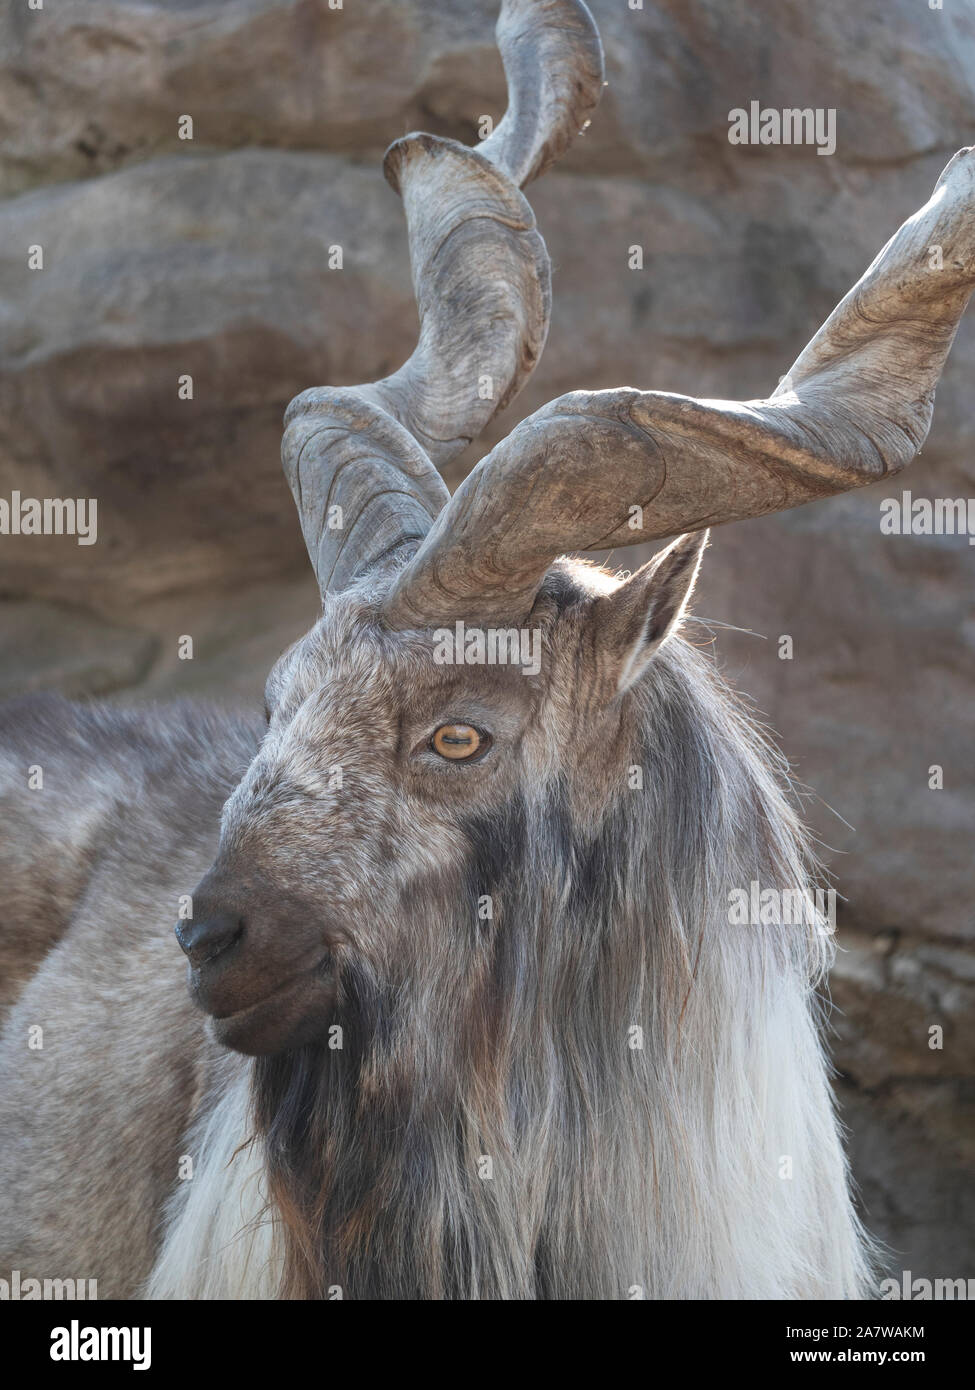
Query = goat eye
x=458 y=741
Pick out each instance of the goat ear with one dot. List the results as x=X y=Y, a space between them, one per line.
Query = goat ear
x=636 y=619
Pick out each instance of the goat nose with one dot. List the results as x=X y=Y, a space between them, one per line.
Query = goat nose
x=204 y=940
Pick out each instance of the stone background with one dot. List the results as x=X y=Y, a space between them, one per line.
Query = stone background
x=164 y=257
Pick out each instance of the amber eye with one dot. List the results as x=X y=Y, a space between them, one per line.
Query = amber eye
x=457 y=741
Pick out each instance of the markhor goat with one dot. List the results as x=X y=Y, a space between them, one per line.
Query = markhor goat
x=468 y=1017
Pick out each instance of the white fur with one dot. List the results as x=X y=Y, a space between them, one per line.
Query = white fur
x=220 y=1239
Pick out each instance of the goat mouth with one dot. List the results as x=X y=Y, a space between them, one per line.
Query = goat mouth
x=320 y=970
x=293 y=1012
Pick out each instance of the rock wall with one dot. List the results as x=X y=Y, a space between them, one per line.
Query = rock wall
x=165 y=257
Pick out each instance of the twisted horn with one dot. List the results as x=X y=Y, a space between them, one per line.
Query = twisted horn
x=855 y=406
x=360 y=460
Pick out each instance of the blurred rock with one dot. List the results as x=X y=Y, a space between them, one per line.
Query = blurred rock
x=213 y=268
x=89 y=85
x=48 y=646
x=209 y=258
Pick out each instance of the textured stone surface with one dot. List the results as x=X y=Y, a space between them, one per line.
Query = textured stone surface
x=46 y=646
x=209 y=257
